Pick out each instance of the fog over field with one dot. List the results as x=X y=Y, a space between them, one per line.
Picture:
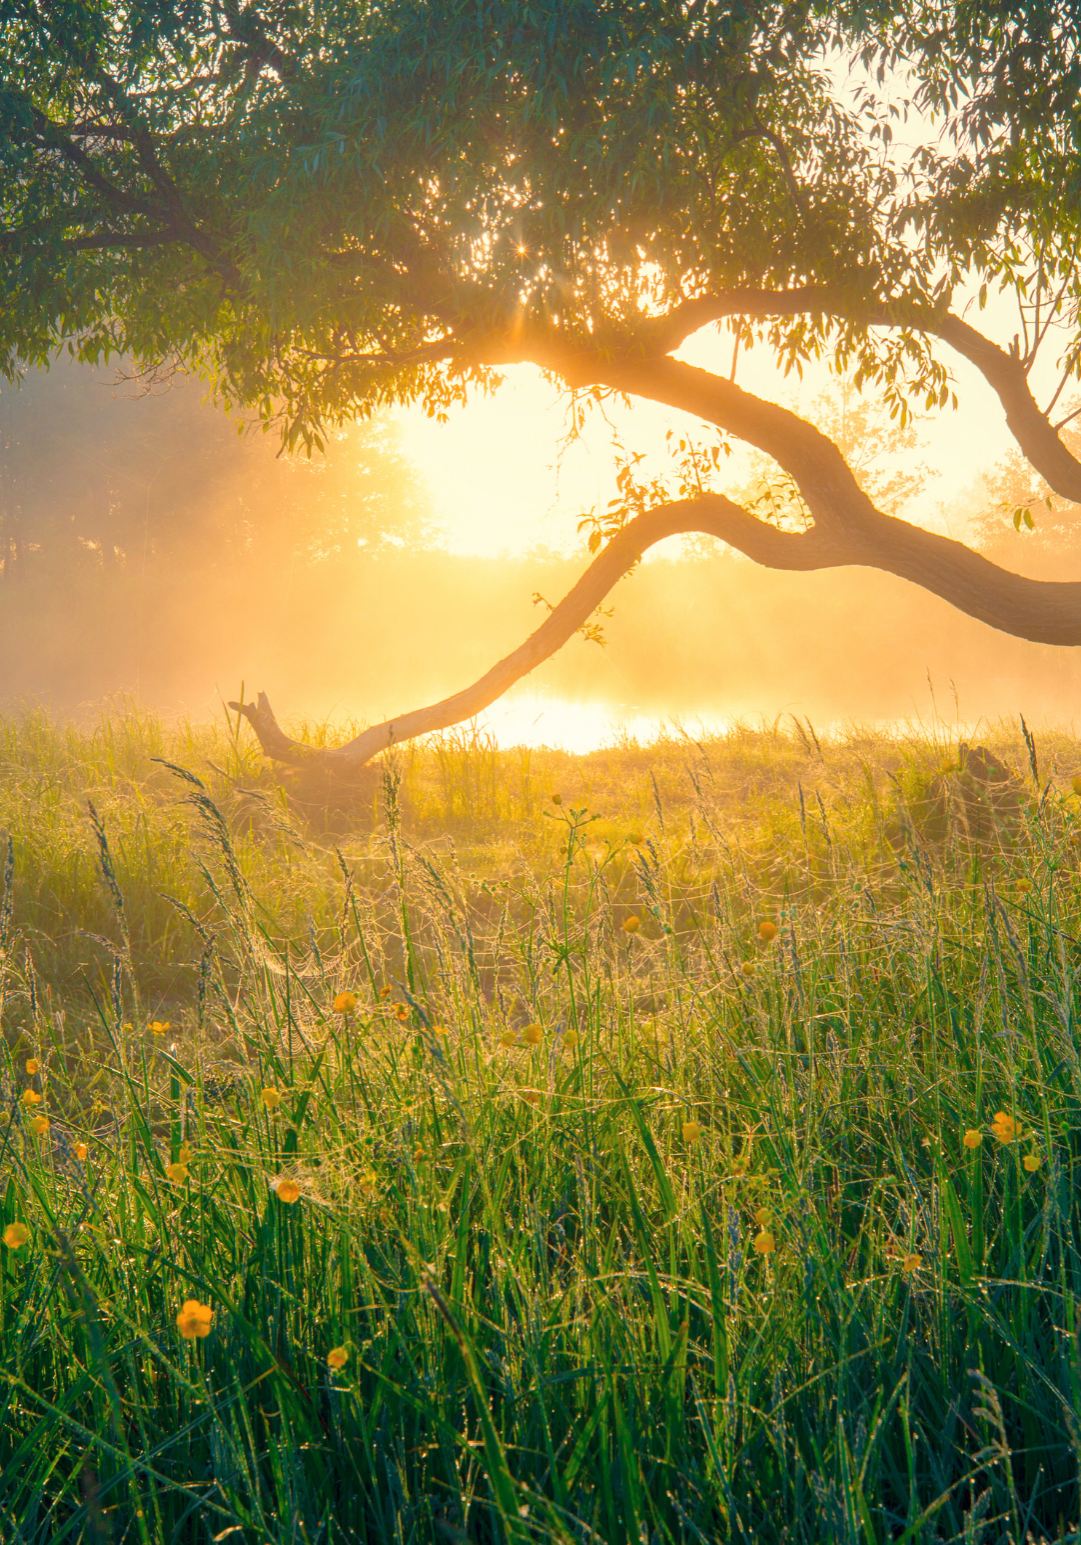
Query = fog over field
x=145 y=548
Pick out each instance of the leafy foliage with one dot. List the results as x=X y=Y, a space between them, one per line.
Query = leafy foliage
x=333 y=208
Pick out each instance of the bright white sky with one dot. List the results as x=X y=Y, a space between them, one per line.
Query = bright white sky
x=500 y=486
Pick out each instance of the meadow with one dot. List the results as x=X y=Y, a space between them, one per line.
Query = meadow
x=671 y=1144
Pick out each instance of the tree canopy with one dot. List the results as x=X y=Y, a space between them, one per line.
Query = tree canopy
x=328 y=208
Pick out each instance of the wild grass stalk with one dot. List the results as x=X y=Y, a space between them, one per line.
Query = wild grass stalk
x=679 y=1231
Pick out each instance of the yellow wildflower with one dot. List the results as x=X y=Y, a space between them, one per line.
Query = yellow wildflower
x=530 y=1096
x=747 y=968
x=767 y=931
x=911 y=1262
x=81 y=1152
x=636 y=838
x=532 y=1035
x=631 y=924
x=177 y=1173
x=763 y=1217
x=346 y=1002
x=1004 y=1127
x=764 y=1243
x=402 y=1012
x=159 y=1026
x=570 y=1039
x=16 y=1235
x=418 y=1153
x=337 y=1357
x=185 y=1153
x=369 y=1180
x=1075 y=783
x=39 y=1126
x=271 y=1099
x=1031 y=1161
x=691 y=1131
x=33 y=1066
x=288 y=1191
x=1023 y=887
x=972 y=1138
x=31 y=1097
x=508 y=1038
x=194 y=1319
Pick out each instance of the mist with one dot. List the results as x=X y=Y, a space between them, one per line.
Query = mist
x=146 y=549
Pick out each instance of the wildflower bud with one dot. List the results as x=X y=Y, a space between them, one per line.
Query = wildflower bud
x=1075 y=784
x=532 y=1035
x=763 y=1217
x=764 y=1243
x=631 y=924
x=972 y=1138
x=271 y=1098
x=16 y=1235
x=1031 y=1161
x=767 y=931
x=691 y=1131
x=530 y=1096
x=508 y=1038
x=911 y=1262
x=337 y=1358
x=1023 y=887
x=557 y=799
x=185 y=1153
x=747 y=968
x=418 y=1153
x=636 y=838
x=570 y=1039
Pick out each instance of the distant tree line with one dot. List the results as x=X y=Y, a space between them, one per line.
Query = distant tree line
x=99 y=473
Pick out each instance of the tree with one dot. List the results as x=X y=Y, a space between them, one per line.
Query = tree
x=101 y=471
x=330 y=209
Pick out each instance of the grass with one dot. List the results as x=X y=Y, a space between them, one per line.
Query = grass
x=543 y=1251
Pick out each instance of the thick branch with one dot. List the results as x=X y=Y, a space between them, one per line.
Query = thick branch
x=711 y=514
x=1029 y=426
x=1003 y=371
x=1041 y=611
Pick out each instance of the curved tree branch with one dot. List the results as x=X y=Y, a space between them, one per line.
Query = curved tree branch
x=1041 y=611
x=1029 y=425
x=1004 y=372
x=711 y=514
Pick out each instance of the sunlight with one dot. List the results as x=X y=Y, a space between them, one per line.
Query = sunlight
x=540 y=719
